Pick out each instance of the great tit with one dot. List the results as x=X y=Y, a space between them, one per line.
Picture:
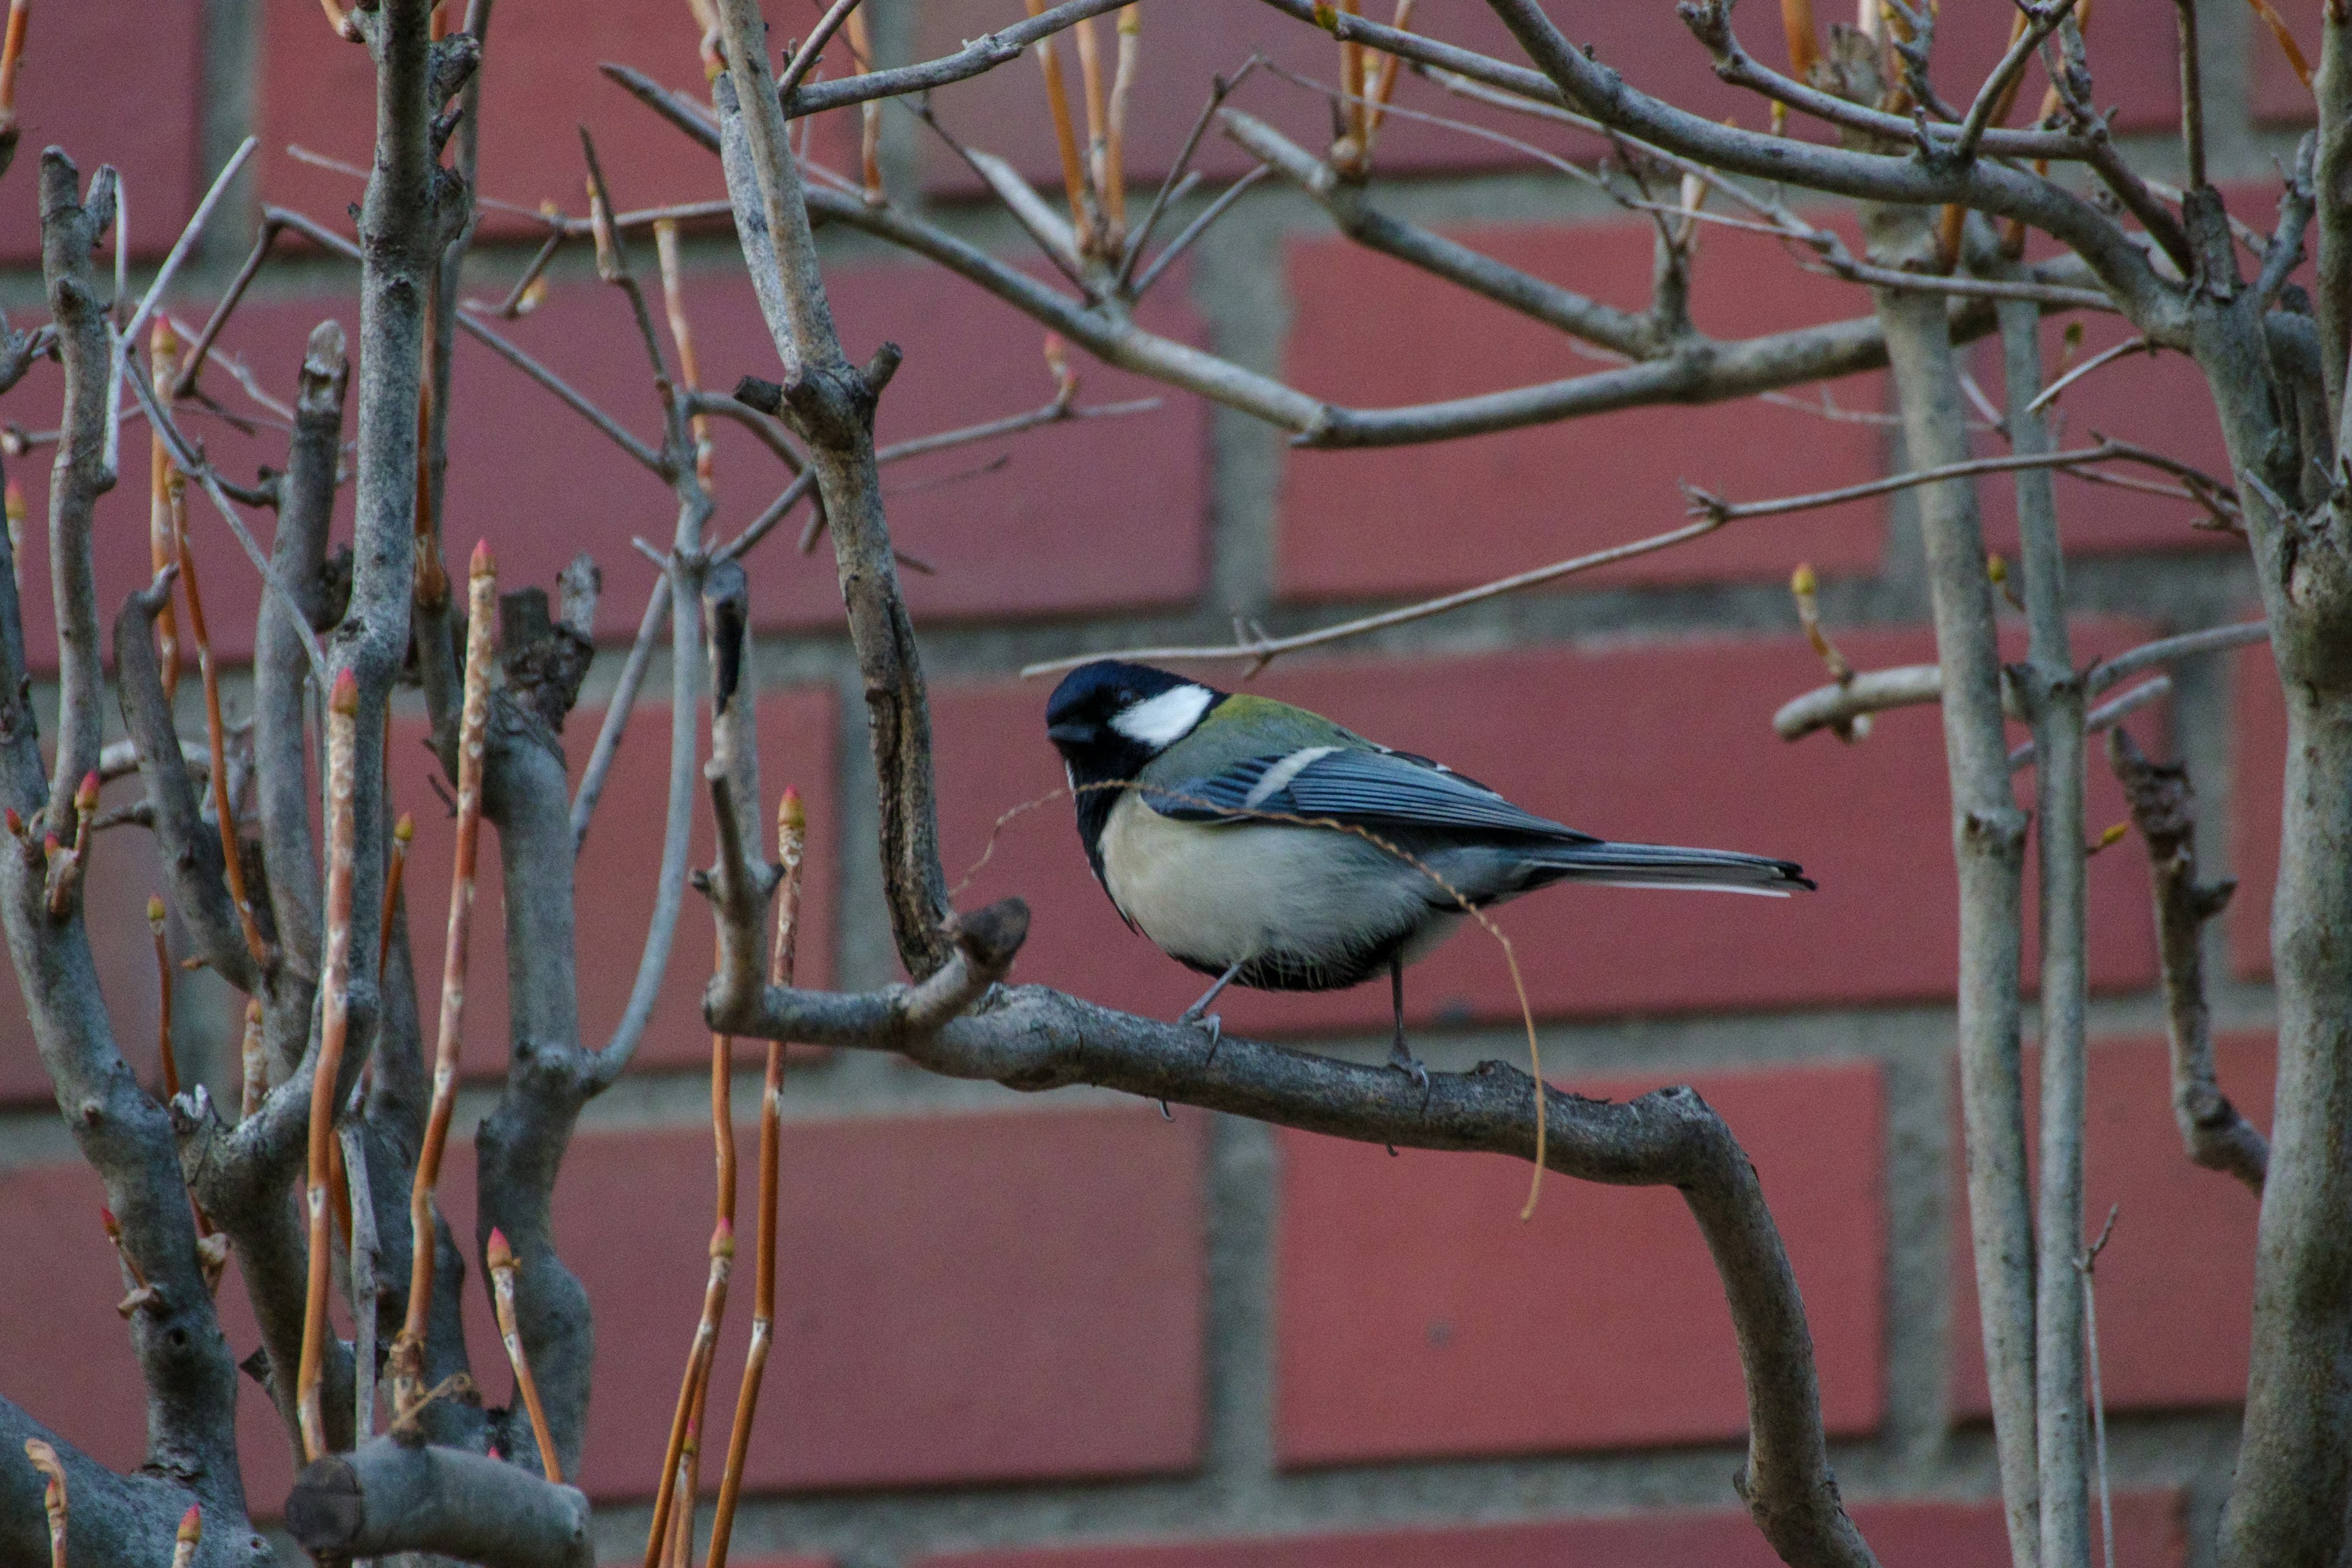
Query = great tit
x=1268 y=846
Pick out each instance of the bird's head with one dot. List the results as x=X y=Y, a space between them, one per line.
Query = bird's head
x=1109 y=719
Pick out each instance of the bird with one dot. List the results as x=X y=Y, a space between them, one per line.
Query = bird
x=1271 y=847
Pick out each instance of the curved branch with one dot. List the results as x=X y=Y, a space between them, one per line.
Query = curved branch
x=1031 y=1037
x=193 y=865
x=70 y=227
x=280 y=666
x=830 y=405
x=116 y=1518
x=2164 y=809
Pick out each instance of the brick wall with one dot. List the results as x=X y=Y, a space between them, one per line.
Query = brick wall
x=1067 y=1331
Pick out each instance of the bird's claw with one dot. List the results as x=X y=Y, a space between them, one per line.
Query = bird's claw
x=1401 y=1058
x=1209 y=1021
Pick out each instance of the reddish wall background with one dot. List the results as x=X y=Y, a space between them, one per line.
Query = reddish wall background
x=1066 y=1334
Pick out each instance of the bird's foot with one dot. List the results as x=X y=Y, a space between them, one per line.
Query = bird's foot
x=1400 y=1057
x=1200 y=1019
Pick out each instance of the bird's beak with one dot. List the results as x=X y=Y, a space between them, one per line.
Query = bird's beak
x=1066 y=735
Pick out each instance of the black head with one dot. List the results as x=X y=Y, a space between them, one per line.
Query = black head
x=1109 y=720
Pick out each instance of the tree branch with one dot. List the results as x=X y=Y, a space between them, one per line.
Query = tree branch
x=2164 y=809
x=2054 y=700
x=116 y=1518
x=70 y=225
x=830 y=405
x=1988 y=844
x=298 y=554
x=191 y=851
x=385 y=1498
x=1031 y=1038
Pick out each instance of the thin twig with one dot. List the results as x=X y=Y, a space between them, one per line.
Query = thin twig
x=1197 y=227
x=500 y=1260
x=2088 y=1264
x=216 y=741
x=408 y=1350
x=1265 y=650
x=791 y=842
x=698 y=1370
x=1177 y=177
x=806 y=56
x=188 y=1537
x=616 y=713
x=343 y=711
x=2104 y=357
x=53 y=1495
x=365 y=1287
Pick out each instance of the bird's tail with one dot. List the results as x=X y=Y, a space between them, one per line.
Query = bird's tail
x=1664 y=866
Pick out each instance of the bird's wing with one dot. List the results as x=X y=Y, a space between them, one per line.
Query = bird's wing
x=1364 y=787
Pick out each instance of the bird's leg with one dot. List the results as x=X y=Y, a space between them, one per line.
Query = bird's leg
x=1198 y=1013
x=1400 y=1054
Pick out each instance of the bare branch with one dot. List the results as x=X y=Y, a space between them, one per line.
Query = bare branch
x=193 y=867
x=1989 y=843
x=1033 y=1038
x=298 y=554
x=831 y=405
x=385 y=1498
x=616 y=711
x=2164 y=809
x=1263 y=650
x=70 y=225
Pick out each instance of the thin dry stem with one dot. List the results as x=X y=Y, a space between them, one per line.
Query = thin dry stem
x=681 y=332
x=1112 y=174
x=1263 y=650
x=404 y=833
x=253 y=1059
x=695 y=1385
x=163 y=999
x=343 y=720
x=1065 y=141
x=869 y=133
x=473 y=724
x=502 y=1261
x=53 y=1491
x=216 y=738
x=167 y=508
x=12 y=58
x=792 y=843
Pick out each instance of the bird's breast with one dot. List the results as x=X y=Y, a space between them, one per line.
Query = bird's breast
x=1307 y=898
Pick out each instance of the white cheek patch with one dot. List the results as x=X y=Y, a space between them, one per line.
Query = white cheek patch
x=1164 y=720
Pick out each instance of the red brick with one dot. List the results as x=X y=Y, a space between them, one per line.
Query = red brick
x=1004 y=111
x=1669 y=743
x=1928 y=1534
x=2257 y=787
x=1616 y=1281
x=2179 y=1269
x=69 y=1364
x=1040 y=532
x=1416 y=520
x=617 y=870
x=2279 y=95
x=539 y=83
x=153 y=51
x=961 y=1299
